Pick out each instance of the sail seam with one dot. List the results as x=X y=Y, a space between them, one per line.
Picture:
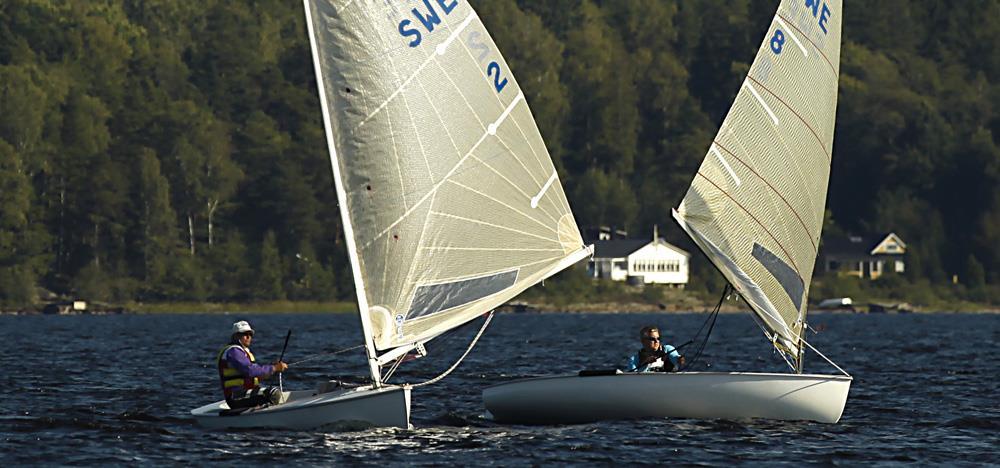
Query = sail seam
x=476 y=221
x=486 y=127
x=829 y=158
x=490 y=249
x=512 y=184
x=516 y=123
x=776 y=191
x=794 y=36
x=760 y=100
x=484 y=195
x=762 y=225
x=836 y=74
x=403 y=292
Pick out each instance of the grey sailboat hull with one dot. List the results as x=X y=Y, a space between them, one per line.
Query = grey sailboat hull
x=382 y=407
x=700 y=395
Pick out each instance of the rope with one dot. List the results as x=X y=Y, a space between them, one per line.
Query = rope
x=713 y=317
x=317 y=356
x=466 y=353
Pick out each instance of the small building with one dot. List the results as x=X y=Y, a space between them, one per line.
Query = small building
x=863 y=256
x=641 y=261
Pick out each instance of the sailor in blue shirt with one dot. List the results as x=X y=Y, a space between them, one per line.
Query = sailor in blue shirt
x=654 y=356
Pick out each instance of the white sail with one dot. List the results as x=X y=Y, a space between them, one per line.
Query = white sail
x=450 y=201
x=757 y=203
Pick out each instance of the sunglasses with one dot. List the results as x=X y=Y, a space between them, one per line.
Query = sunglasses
x=651 y=338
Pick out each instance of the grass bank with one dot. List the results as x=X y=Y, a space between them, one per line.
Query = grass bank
x=295 y=307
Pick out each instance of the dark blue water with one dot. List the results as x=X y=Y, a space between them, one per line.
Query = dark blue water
x=117 y=389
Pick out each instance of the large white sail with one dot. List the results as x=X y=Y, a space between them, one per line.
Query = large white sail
x=757 y=203
x=450 y=200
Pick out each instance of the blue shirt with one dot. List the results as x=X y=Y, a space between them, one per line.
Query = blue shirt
x=633 y=361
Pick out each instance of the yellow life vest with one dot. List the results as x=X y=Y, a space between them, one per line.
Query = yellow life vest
x=231 y=377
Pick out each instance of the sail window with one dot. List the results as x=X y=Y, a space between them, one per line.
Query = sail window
x=789 y=280
x=433 y=298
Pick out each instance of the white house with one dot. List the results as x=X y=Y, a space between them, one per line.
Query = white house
x=640 y=260
x=863 y=256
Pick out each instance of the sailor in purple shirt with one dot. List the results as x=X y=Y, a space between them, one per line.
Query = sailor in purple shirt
x=240 y=374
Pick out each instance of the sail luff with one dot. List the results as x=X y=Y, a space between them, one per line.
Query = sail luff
x=756 y=204
x=359 y=284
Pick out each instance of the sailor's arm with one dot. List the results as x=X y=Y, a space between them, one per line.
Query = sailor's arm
x=241 y=362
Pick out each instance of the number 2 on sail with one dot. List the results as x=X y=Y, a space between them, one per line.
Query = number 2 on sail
x=497 y=83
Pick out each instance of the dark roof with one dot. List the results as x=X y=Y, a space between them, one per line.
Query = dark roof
x=618 y=248
x=852 y=245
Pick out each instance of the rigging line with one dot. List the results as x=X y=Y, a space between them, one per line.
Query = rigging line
x=769 y=336
x=824 y=356
x=466 y=353
x=713 y=317
x=392 y=370
x=317 y=356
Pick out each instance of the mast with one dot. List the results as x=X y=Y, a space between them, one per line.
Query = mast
x=359 y=283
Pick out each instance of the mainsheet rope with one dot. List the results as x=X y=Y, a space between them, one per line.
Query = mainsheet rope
x=466 y=353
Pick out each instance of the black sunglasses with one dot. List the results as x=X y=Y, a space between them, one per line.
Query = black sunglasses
x=651 y=338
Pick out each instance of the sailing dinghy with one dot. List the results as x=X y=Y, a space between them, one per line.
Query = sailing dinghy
x=755 y=208
x=450 y=202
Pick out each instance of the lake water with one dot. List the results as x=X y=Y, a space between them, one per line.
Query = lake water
x=94 y=390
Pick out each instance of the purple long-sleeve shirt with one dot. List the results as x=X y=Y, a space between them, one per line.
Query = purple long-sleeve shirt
x=240 y=361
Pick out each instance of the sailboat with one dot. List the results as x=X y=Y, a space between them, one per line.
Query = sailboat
x=755 y=208
x=450 y=202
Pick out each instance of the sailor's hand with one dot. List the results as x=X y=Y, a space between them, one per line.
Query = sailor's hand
x=280 y=366
x=681 y=361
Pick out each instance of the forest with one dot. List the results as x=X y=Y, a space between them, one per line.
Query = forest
x=164 y=150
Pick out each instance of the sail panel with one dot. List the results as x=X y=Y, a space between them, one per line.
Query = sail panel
x=757 y=203
x=454 y=201
x=433 y=298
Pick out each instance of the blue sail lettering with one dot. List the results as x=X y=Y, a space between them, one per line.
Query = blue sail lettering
x=823 y=18
x=410 y=32
x=449 y=7
x=814 y=4
x=431 y=19
x=823 y=15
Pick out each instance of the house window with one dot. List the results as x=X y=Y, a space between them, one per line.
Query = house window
x=900 y=267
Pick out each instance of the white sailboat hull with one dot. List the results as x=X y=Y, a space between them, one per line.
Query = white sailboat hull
x=701 y=395
x=381 y=407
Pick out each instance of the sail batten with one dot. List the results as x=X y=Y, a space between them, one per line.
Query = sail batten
x=453 y=199
x=756 y=204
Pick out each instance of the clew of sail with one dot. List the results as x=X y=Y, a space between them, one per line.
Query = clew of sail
x=757 y=203
x=450 y=201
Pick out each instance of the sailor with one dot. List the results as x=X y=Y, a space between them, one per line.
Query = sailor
x=240 y=374
x=654 y=355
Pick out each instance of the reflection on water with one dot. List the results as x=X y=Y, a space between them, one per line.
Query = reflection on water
x=117 y=389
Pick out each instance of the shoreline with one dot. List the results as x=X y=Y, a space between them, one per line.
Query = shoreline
x=514 y=307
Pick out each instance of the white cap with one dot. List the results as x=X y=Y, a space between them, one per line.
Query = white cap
x=242 y=327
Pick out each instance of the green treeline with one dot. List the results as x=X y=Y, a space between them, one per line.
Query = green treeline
x=173 y=150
